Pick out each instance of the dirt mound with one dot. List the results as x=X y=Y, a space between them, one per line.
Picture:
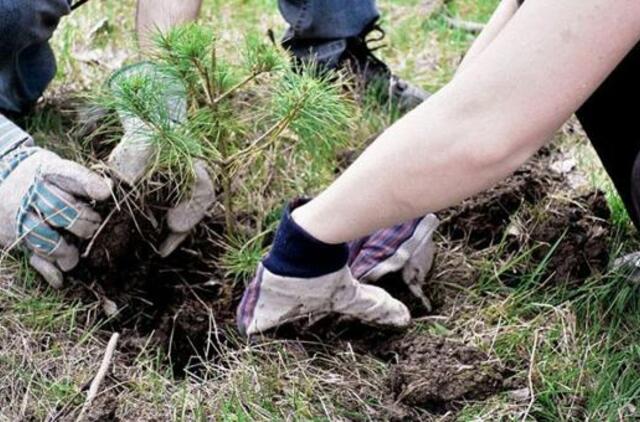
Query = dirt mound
x=482 y=220
x=573 y=238
x=567 y=241
x=435 y=373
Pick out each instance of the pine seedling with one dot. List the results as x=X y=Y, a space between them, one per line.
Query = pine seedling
x=237 y=110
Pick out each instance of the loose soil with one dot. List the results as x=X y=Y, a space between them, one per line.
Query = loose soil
x=186 y=306
x=482 y=220
x=176 y=301
x=437 y=374
x=571 y=236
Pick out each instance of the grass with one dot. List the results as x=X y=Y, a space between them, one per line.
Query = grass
x=578 y=348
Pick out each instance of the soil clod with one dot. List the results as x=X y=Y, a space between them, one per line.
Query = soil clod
x=434 y=373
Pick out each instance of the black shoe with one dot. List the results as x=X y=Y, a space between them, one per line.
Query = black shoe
x=356 y=55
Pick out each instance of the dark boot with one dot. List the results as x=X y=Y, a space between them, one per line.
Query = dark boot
x=356 y=55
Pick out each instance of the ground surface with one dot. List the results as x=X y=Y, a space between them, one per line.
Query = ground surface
x=528 y=324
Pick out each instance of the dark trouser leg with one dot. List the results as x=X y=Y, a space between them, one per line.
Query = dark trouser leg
x=610 y=118
x=320 y=28
x=27 y=64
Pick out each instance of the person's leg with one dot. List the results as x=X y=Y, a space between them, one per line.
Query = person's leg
x=334 y=33
x=609 y=119
x=160 y=15
x=27 y=63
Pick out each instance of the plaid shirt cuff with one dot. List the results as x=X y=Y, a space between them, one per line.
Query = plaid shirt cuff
x=11 y=136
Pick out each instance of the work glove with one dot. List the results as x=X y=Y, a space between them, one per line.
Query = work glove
x=131 y=158
x=43 y=203
x=407 y=247
x=305 y=278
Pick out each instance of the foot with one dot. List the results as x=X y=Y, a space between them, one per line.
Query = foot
x=356 y=55
x=375 y=73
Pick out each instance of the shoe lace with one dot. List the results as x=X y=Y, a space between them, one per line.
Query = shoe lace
x=366 y=46
x=368 y=39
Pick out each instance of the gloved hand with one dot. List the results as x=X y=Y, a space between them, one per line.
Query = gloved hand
x=131 y=158
x=40 y=203
x=303 y=278
x=406 y=247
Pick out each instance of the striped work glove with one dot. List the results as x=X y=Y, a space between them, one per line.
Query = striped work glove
x=131 y=158
x=41 y=208
x=407 y=248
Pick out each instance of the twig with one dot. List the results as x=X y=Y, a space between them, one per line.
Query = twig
x=102 y=372
x=468 y=26
x=236 y=87
x=532 y=362
x=87 y=250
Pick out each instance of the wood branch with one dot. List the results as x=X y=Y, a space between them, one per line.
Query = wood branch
x=468 y=26
x=100 y=375
x=532 y=364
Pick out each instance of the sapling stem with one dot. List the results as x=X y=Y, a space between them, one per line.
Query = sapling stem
x=236 y=87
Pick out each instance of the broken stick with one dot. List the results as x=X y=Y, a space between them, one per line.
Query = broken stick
x=102 y=372
x=456 y=23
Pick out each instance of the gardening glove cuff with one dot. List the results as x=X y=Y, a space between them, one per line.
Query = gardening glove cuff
x=304 y=278
x=11 y=137
x=407 y=247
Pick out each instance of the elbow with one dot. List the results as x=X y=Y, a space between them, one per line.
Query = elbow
x=490 y=143
x=502 y=153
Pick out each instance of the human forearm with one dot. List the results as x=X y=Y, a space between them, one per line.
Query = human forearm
x=486 y=122
x=432 y=159
x=503 y=14
x=160 y=15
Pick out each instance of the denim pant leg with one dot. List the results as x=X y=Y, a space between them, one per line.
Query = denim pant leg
x=27 y=63
x=320 y=28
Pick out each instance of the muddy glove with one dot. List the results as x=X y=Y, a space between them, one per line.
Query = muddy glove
x=303 y=278
x=406 y=247
x=40 y=203
x=130 y=160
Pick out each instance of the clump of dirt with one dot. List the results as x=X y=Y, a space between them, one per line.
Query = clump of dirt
x=574 y=238
x=482 y=220
x=103 y=409
x=569 y=240
x=435 y=373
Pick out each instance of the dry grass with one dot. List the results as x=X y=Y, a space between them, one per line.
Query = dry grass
x=573 y=352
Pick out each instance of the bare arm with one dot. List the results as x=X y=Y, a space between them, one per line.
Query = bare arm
x=482 y=126
x=503 y=14
x=160 y=15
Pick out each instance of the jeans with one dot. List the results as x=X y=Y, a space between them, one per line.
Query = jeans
x=320 y=28
x=27 y=63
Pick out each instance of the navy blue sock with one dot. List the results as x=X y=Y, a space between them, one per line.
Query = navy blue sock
x=296 y=253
